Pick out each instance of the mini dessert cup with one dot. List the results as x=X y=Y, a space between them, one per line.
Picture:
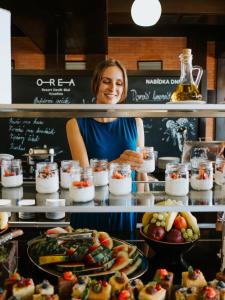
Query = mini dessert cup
x=176 y=179
x=47 y=177
x=201 y=175
x=120 y=182
x=82 y=190
x=148 y=165
x=100 y=171
x=11 y=173
x=67 y=169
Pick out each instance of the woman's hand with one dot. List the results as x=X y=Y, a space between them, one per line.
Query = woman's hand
x=131 y=157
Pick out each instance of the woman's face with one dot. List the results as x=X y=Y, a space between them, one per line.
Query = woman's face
x=111 y=86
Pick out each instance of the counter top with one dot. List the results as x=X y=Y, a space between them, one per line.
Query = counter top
x=153 y=193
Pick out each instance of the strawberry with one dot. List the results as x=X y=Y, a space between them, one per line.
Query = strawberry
x=163 y=273
x=69 y=276
x=98 y=169
x=124 y=295
x=210 y=292
x=173 y=175
x=117 y=175
x=77 y=183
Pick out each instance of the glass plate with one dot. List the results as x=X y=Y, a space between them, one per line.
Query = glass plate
x=51 y=269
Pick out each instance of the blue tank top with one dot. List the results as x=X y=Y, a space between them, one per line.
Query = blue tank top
x=107 y=141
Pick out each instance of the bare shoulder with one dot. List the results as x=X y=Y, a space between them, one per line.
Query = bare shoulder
x=139 y=122
x=71 y=123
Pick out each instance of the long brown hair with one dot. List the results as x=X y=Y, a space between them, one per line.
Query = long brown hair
x=100 y=68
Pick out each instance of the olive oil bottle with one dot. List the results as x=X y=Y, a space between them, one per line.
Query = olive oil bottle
x=187 y=90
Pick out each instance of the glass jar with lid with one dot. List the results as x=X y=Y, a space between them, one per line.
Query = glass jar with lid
x=220 y=171
x=148 y=165
x=68 y=167
x=11 y=173
x=120 y=181
x=176 y=179
x=100 y=171
x=82 y=190
x=47 y=177
x=201 y=174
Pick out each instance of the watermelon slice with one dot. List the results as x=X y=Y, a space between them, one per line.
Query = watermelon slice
x=122 y=260
x=56 y=230
x=122 y=247
x=105 y=239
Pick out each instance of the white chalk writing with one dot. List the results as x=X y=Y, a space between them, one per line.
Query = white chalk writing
x=27 y=131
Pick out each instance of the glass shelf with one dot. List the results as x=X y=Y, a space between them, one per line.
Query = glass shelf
x=112 y=110
x=195 y=201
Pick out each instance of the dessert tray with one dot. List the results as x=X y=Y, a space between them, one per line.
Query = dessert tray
x=97 y=262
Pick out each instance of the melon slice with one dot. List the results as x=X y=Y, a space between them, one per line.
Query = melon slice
x=132 y=250
x=122 y=247
x=105 y=239
x=122 y=260
x=131 y=268
x=52 y=259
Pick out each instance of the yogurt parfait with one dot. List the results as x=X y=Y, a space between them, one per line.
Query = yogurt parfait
x=47 y=177
x=176 y=179
x=11 y=173
x=201 y=175
x=100 y=171
x=148 y=165
x=220 y=171
x=120 y=182
x=68 y=167
x=83 y=190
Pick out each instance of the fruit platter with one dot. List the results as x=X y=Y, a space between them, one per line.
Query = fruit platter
x=170 y=232
x=85 y=252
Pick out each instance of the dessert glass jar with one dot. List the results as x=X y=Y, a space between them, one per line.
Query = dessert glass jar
x=148 y=165
x=11 y=173
x=176 y=179
x=120 y=182
x=100 y=171
x=82 y=190
x=220 y=171
x=47 y=177
x=201 y=174
x=67 y=169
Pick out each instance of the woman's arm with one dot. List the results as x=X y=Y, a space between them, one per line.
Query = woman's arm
x=77 y=147
x=140 y=143
x=130 y=156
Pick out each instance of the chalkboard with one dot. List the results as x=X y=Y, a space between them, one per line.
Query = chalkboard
x=20 y=134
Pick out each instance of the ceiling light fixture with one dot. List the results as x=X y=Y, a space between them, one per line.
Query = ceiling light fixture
x=146 y=12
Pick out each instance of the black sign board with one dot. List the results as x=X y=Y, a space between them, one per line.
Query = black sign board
x=20 y=134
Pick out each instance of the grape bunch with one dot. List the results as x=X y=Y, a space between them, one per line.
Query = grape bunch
x=159 y=219
x=189 y=235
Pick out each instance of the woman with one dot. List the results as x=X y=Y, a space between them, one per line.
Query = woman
x=113 y=138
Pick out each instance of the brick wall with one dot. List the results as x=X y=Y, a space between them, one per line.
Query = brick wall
x=129 y=50
x=26 y=55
